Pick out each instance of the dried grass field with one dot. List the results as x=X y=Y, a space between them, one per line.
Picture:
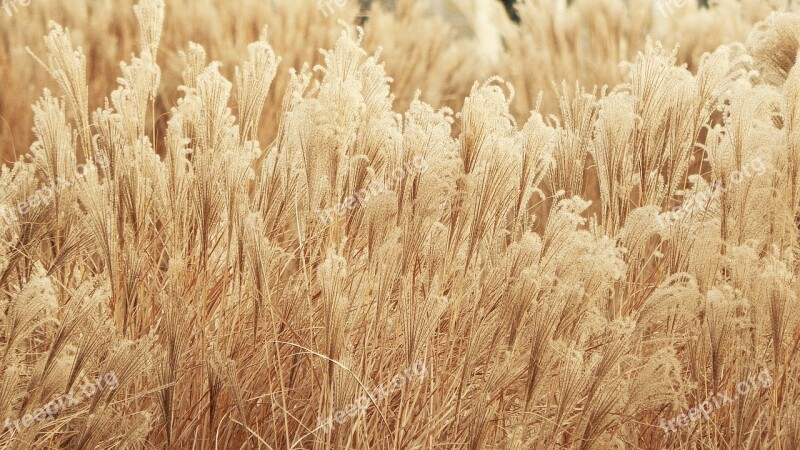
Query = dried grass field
x=301 y=224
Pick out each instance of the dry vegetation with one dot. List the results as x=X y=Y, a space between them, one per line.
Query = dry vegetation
x=525 y=265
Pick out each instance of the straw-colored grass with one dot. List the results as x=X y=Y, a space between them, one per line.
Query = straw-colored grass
x=520 y=246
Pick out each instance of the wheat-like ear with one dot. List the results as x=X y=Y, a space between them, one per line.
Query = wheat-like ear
x=253 y=81
x=135 y=435
x=52 y=151
x=332 y=278
x=92 y=432
x=150 y=16
x=774 y=44
x=139 y=85
x=194 y=61
x=569 y=383
x=578 y=113
x=540 y=353
x=791 y=118
x=68 y=68
x=538 y=142
x=611 y=151
x=32 y=307
x=10 y=389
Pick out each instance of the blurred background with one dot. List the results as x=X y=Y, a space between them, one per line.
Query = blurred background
x=453 y=43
